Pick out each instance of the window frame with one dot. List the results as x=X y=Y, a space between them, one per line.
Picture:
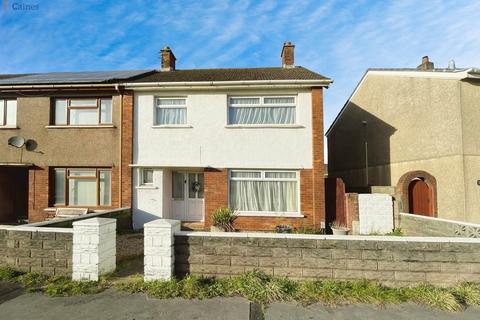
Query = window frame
x=68 y=177
x=176 y=106
x=263 y=178
x=69 y=107
x=141 y=180
x=4 y=102
x=262 y=104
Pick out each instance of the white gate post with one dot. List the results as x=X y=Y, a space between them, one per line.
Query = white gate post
x=94 y=248
x=159 y=249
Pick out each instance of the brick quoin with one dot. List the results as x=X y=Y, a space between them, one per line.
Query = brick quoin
x=312 y=189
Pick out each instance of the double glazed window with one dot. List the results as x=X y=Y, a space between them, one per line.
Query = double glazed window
x=83 y=111
x=171 y=111
x=83 y=187
x=261 y=110
x=264 y=191
x=8 y=112
x=146 y=177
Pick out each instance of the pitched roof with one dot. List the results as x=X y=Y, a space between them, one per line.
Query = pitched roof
x=70 y=77
x=231 y=74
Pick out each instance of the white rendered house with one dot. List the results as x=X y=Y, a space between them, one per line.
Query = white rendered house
x=250 y=139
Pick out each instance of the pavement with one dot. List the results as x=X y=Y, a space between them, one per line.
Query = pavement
x=110 y=304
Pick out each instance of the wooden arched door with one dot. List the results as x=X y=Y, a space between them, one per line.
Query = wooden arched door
x=420 y=198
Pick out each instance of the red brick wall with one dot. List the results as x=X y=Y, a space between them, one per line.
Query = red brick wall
x=318 y=161
x=127 y=150
x=312 y=189
x=38 y=193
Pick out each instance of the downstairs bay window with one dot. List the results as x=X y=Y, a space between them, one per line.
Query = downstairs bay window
x=264 y=192
x=77 y=187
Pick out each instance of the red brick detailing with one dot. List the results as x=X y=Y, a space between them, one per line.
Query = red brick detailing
x=215 y=192
x=318 y=162
x=126 y=150
x=38 y=193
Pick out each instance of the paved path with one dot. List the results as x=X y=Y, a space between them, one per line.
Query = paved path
x=16 y=304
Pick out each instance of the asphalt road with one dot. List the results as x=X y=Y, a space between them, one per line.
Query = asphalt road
x=16 y=304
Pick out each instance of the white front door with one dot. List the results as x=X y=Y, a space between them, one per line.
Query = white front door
x=187 y=196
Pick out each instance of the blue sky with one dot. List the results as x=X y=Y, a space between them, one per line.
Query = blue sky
x=339 y=39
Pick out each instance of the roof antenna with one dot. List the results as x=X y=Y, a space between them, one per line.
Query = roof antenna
x=451 y=65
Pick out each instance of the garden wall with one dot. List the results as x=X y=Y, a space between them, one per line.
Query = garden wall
x=122 y=215
x=46 y=251
x=389 y=260
x=415 y=225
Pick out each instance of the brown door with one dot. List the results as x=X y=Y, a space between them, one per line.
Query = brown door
x=420 y=198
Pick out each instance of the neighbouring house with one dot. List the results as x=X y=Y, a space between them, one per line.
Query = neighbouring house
x=65 y=141
x=246 y=138
x=415 y=129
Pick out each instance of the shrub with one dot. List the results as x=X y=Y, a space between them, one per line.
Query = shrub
x=224 y=218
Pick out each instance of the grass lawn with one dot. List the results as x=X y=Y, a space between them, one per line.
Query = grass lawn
x=254 y=286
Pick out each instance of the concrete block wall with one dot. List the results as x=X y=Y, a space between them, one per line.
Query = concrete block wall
x=389 y=260
x=375 y=213
x=94 y=248
x=159 y=251
x=46 y=251
x=415 y=225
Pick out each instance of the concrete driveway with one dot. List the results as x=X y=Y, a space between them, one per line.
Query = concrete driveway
x=16 y=304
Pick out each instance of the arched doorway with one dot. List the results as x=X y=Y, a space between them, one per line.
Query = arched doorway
x=420 y=198
x=419 y=193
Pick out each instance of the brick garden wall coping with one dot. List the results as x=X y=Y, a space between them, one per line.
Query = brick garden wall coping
x=323 y=237
x=391 y=260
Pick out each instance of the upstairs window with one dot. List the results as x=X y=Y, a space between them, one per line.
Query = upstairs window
x=171 y=111
x=8 y=112
x=261 y=110
x=83 y=111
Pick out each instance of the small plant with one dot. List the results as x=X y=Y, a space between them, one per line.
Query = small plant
x=224 y=218
x=338 y=225
x=396 y=232
x=283 y=228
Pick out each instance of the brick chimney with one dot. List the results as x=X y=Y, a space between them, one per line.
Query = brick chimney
x=288 y=55
x=168 y=59
x=426 y=64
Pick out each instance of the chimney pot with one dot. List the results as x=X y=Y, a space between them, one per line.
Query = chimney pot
x=167 y=59
x=288 y=57
x=426 y=64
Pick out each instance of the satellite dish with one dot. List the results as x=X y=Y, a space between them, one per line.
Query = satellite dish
x=16 y=142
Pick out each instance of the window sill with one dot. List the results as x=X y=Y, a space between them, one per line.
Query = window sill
x=270 y=214
x=172 y=126
x=107 y=126
x=146 y=187
x=9 y=127
x=260 y=126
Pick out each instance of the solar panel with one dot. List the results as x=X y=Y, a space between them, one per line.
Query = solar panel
x=71 y=77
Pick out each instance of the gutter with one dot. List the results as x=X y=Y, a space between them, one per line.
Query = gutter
x=228 y=84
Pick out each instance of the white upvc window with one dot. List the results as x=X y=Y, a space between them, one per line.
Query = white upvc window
x=170 y=111
x=83 y=111
x=274 y=192
x=146 y=177
x=262 y=110
x=83 y=187
x=8 y=112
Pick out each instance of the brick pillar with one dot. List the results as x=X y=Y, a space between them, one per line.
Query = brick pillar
x=38 y=193
x=159 y=250
x=127 y=149
x=318 y=171
x=94 y=248
x=216 y=192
